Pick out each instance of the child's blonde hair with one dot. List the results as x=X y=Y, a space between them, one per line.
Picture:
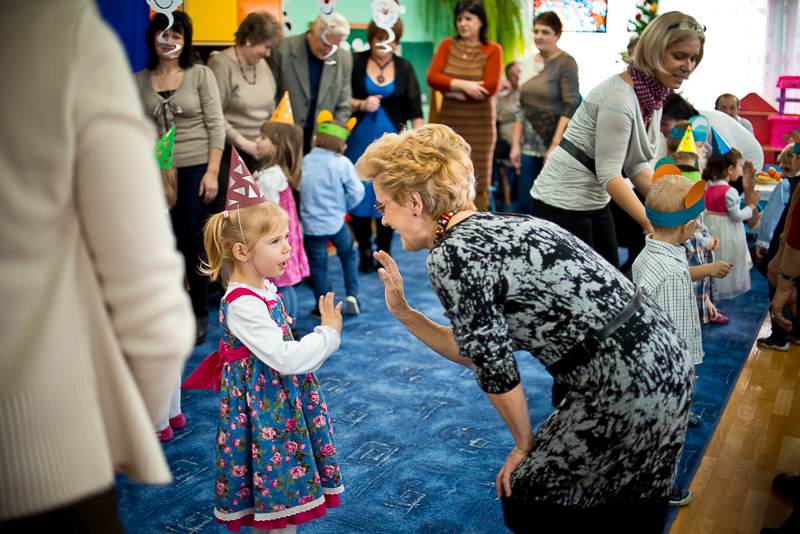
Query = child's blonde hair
x=666 y=195
x=246 y=225
x=288 y=153
x=788 y=160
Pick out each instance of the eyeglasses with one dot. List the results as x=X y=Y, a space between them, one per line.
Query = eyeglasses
x=688 y=26
x=382 y=206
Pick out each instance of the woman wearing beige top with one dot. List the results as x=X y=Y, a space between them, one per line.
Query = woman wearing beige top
x=247 y=88
x=174 y=91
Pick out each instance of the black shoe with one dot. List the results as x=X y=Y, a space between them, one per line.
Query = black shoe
x=200 y=335
x=775 y=341
x=366 y=263
x=695 y=420
x=787 y=485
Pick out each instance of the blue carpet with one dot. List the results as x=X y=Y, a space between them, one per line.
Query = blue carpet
x=726 y=348
x=419 y=443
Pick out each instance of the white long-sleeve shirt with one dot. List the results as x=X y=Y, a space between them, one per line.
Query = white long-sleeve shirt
x=733 y=203
x=249 y=320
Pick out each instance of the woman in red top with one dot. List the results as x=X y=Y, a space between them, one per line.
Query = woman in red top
x=466 y=69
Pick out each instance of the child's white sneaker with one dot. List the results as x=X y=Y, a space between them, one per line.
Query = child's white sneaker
x=351 y=306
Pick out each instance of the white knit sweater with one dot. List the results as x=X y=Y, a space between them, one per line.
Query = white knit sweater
x=94 y=324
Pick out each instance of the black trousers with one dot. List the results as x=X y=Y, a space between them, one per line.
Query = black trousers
x=96 y=514
x=643 y=516
x=362 y=230
x=629 y=233
x=593 y=227
x=189 y=216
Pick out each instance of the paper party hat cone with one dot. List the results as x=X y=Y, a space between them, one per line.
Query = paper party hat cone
x=165 y=147
x=718 y=145
x=687 y=142
x=243 y=190
x=283 y=113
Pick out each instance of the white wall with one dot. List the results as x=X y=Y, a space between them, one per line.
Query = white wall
x=734 y=54
x=737 y=58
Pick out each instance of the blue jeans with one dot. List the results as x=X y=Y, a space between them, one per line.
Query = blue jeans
x=317 y=252
x=529 y=169
x=289 y=300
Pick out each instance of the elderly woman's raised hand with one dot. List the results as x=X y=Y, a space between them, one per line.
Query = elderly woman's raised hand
x=394 y=293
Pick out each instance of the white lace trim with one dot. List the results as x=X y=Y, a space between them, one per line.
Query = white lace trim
x=277 y=515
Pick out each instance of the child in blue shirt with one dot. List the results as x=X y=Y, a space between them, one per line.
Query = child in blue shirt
x=330 y=187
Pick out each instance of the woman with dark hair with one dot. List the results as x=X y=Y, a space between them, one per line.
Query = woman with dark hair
x=466 y=69
x=548 y=96
x=386 y=96
x=176 y=92
x=247 y=89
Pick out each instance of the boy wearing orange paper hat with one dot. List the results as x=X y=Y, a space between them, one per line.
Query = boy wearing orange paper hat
x=662 y=270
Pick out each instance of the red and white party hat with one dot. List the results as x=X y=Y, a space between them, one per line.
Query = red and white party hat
x=243 y=190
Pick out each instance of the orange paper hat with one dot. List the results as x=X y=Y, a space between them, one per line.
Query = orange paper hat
x=283 y=113
x=243 y=190
x=666 y=170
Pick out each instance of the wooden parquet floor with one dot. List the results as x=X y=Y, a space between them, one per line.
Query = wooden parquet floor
x=757 y=438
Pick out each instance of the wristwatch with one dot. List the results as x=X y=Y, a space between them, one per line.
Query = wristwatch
x=787 y=277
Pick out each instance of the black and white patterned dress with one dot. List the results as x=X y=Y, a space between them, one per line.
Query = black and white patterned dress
x=514 y=282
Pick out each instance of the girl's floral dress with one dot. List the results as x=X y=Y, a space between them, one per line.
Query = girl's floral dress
x=276 y=462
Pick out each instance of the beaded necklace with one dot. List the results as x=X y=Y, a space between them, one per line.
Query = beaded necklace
x=241 y=67
x=441 y=224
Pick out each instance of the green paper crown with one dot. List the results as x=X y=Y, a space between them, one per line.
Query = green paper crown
x=333 y=129
x=164 y=148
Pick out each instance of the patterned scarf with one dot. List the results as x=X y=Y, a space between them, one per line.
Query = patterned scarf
x=649 y=92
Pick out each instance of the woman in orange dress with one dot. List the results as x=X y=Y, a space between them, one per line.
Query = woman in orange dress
x=466 y=70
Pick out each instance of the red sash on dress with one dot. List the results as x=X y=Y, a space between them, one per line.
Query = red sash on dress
x=208 y=374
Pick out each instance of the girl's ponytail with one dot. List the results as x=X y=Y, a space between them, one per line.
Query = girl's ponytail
x=215 y=251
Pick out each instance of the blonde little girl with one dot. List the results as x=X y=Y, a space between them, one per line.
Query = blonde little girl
x=276 y=464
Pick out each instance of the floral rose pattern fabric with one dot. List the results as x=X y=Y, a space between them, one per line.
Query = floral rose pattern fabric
x=275 y=451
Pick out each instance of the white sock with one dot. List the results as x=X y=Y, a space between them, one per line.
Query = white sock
x=289 y=529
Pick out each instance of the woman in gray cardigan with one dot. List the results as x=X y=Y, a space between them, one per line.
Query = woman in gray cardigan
x=615 y=132
x=549 y=96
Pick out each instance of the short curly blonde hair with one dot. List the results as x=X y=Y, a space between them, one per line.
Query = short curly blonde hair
x=433 y=161
x=664 y=32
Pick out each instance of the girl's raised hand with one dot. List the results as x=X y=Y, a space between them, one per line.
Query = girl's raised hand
x=393 y=284
x=330 y=315
x=748 y=176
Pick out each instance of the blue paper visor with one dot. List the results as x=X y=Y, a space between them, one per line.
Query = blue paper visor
x=675 y=218
x=677 y=133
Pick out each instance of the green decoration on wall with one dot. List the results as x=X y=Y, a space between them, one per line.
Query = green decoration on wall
x=647 y=12
x=506 y=26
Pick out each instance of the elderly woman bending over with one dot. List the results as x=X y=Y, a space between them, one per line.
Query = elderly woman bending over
x=510 y=282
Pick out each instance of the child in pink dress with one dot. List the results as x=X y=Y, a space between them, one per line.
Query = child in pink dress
x=279 y=148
